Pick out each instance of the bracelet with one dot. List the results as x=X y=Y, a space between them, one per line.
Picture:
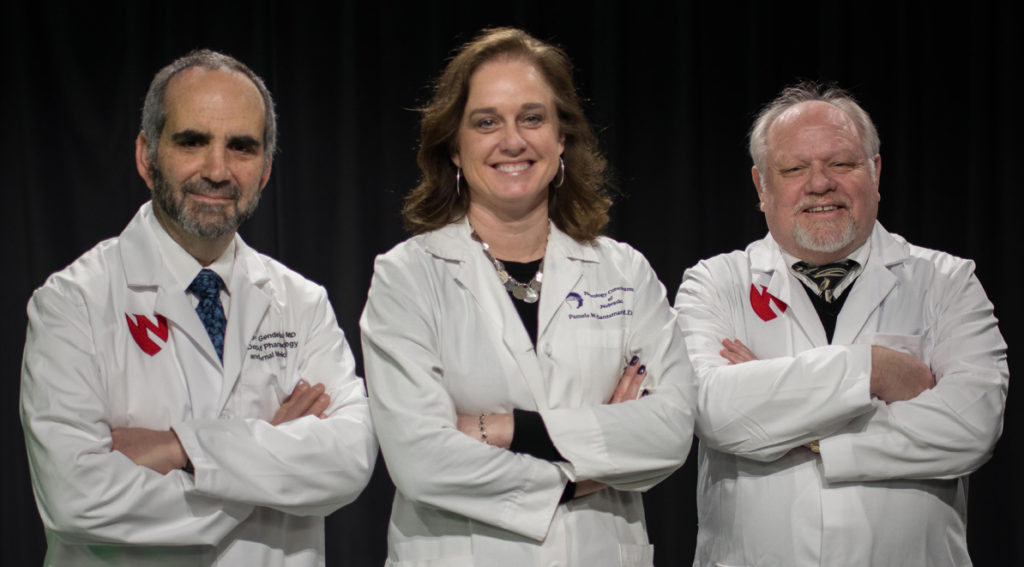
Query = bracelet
x=483 y=434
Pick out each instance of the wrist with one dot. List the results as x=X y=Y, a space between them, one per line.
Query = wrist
x=496 y=429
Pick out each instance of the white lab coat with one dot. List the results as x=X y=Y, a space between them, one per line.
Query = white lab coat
x=889 y=487
x=259 y=492
x=441 y=337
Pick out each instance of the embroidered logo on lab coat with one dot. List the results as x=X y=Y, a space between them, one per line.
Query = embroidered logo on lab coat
x=141 y=328
x=276 y=344
x=616 y=302
x=762 y=302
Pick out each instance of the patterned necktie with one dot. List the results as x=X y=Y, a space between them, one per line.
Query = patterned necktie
x=827 y=276
x=206 y=287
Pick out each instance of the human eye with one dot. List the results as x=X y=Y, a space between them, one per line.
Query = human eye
x=532 y=119
x=244 y=145
x=485 y=123
x=844 y=166
x=791 y=171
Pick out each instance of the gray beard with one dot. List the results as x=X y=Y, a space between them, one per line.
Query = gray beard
x=810 y=240
x=190 y=219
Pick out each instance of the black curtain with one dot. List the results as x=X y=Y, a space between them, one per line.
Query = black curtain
x=671 y=86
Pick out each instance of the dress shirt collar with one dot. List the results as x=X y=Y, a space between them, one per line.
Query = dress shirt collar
x=860 y=255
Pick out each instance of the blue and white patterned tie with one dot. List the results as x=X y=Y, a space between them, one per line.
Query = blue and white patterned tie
x=206 y=287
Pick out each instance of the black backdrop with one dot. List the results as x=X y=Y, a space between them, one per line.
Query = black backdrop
x=671 y=87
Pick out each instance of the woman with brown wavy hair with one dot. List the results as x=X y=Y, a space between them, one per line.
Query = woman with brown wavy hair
x=496 y=337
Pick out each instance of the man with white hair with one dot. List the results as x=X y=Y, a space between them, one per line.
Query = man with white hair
x=848 y=381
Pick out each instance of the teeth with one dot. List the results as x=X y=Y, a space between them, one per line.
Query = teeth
x=512 y=167
x=822 y=209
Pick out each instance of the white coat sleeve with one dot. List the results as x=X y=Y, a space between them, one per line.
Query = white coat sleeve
x=951 y=429
x=308 y=466
x=763 y=408
x=428 y=459
x=635 y=444
x=85 y=492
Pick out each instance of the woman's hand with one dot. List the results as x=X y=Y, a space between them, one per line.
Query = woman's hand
x=494 y=429
x=629 y=385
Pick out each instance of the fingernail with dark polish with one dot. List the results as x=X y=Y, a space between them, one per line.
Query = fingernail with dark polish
x=642 y=370
x=634 y=360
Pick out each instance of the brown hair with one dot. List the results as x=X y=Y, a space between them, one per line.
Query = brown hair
x=579 y=207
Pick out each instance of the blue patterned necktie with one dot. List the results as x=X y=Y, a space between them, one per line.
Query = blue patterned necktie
x=206 y=287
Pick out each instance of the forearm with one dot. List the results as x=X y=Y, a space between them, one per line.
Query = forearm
x=307 y=466
x=762 y=409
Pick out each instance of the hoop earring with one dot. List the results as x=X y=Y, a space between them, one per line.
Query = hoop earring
x=561 y=177
x=458 y=178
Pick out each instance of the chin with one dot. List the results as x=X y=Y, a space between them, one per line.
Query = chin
x=825 y=239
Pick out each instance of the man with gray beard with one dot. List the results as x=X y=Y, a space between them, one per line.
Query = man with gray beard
x=848 y=381
x=186 y=400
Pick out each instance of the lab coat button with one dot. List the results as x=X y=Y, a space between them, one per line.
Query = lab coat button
x=547 y=349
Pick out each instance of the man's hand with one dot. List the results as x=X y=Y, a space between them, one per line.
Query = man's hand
x=304 y=400
x=158 y=450
x=736 y=352
x=897 y=376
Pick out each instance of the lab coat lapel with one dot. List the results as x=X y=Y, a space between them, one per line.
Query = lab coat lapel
x=250 y=300
x=471 y=269
x=769 y=269
x=144 y=271
x=871 y=287
x=563 y=271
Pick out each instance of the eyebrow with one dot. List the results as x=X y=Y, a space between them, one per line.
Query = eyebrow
x=247 y=142
x=493 y=110
x=190 y=136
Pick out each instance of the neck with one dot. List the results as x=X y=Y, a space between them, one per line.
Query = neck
x=522 y=239
x=204 y=250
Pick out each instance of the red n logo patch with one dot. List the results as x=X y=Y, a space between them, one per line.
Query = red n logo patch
x=142 y=327
x=761 y=302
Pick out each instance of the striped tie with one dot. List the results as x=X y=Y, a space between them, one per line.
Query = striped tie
x=827 y=276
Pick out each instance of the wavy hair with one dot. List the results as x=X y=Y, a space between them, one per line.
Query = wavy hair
x=579 y=207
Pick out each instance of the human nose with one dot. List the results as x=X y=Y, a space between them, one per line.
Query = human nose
x=215 y=167
x=511 y=141
x=820 y=181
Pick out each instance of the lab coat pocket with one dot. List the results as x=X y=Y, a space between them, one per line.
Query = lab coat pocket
x=258 y=392
x=434 y=552
x=601 y=362
x=914 y=345
x=636 y=555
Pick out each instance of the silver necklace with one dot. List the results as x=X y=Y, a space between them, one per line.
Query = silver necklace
x=528 y=292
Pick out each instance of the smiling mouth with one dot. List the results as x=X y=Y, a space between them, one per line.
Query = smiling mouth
x=513 y=167
x=822 y=209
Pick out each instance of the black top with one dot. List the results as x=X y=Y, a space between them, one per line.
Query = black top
x=828 y=313
x=530 y=435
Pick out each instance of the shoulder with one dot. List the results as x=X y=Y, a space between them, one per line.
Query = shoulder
x=426 y=252
x=913 y=262
x=728 y=266
x=277 y=279
x=89 y=275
